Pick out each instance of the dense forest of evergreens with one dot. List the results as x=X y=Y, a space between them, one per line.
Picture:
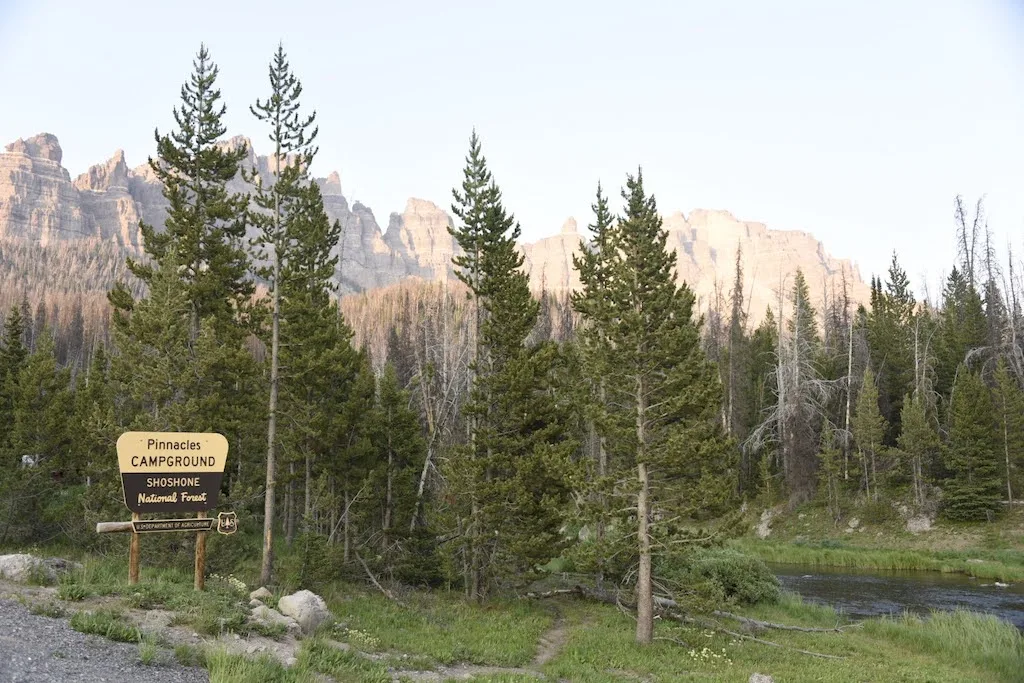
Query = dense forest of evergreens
x=476 y=432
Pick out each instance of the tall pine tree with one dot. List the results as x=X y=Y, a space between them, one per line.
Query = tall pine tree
x=972 y=493
x=593 y=302
x=205 y=227
x=513 y=471
x=278 y=210
x=868 y=432
x=918 y=441
x=662 y=392
x=198 y=267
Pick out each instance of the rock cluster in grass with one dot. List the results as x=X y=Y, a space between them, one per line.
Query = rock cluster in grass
x=300 y=613
x=305 y=607
x=22 y=568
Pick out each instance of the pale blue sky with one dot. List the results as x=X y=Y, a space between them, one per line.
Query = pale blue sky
x=858 y=122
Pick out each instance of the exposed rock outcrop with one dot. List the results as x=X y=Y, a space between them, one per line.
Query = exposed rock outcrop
x=39 y=202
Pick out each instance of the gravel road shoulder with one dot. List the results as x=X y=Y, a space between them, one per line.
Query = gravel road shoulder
x=42 y=649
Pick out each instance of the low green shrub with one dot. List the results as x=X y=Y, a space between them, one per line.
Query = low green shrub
x=741 y=579
x=110 y=625
x=148 y=650
x=72 y=592
x=189 y=655
x=877 y=512
x=47 y=609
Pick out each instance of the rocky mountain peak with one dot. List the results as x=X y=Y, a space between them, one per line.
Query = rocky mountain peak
x=39 y=203
x=331 y=184
x=42 y=146
x=112 y=173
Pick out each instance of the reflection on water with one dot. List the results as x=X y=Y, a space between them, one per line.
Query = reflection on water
x=875 y=593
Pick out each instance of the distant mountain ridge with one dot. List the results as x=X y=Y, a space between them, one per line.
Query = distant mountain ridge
x=102 y=207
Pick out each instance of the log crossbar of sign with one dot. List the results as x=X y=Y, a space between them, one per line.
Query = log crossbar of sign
x=144 y=526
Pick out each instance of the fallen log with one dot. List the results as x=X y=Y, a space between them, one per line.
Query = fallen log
x=784 y=647
x=668 y=608
x=780 y=627
x=718 y=627
x=388 y=594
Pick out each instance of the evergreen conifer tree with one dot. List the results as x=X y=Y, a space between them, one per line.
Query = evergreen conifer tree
x=1009 y=405
x=593 y=302
x=198 y=267
x=973 y=454
x=12 y=358
x=962 y=331
x=205 y=226
x=285 y=208
x=831 y=472
x=41 y=404
x=868 y=431
x=918 y=441
x=513 y=472
x=890 y=338
x=665 y=393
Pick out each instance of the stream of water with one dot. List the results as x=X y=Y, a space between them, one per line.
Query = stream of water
x=874 y=593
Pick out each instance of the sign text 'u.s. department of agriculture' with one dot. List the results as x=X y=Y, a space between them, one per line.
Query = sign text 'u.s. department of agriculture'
x=171 y=471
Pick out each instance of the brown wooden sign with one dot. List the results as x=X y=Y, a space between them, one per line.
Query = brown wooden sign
x=171 y=471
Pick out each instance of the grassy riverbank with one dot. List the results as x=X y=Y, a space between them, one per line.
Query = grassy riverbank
x=808 y=536
x=1004 y=565
x=436 y=636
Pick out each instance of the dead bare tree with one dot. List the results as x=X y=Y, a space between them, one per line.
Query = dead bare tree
x=968 y=233
x=803 y=399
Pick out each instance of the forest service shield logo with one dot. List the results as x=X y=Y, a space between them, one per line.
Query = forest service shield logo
x=227 y=522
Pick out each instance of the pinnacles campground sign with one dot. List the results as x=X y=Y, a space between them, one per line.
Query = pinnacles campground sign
x=171 y=472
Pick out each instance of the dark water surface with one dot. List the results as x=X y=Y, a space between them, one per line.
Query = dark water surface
x=875 y=593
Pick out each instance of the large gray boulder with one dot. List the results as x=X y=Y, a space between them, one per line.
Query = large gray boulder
x=305 y=607
x=23 y=568
x=760 y=678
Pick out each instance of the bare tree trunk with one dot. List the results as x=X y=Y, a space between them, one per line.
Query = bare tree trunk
x=347 y=550
x=334 y=514
x=275 y=343
x=1006 y=450
x=645 y=584
x=307 y=508
x=780 y=381
x=849 y=393
x=289 y=506
x=428 y=410
x=388 y=495
x=874 y=476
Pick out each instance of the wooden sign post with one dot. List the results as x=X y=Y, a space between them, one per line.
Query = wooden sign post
x=170 y=472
